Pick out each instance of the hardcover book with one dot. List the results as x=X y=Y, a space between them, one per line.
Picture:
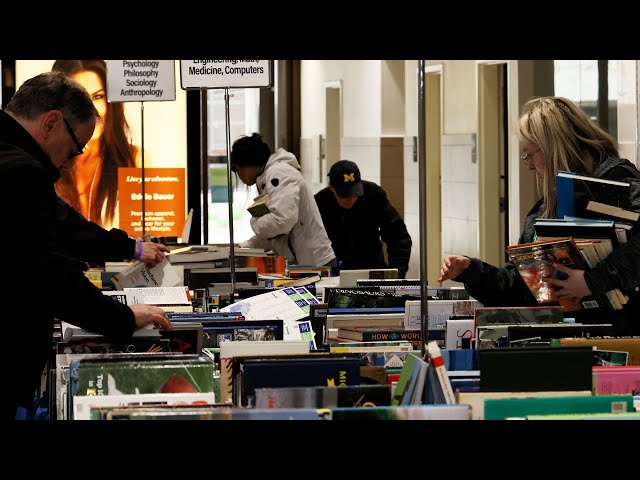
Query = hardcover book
x=135 y=345
x=616 y=380
x=576 y=191
x=373 y=334
x=524 y=369
x=631 y=345
x=364 y=298
x=476 y=400
x=296 y=372
x=323 y=397
x=518 y=315
x=411 y=412
x=82 y=405
x=129 y=377
x=502 y=409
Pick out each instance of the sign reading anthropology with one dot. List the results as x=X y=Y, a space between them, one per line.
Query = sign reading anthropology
x=164 y=201
x=141 y=80
x=225 y=73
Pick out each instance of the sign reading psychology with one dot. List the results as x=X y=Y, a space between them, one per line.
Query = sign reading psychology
x=225 y=73
x=164 y=201
x=140 y=80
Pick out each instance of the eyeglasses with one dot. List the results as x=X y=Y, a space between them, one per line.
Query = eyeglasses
x=526 y=158
x=74 y=138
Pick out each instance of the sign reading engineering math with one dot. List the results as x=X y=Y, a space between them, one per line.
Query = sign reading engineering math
x=141 y=80
x=225 y=73
x=164 y=206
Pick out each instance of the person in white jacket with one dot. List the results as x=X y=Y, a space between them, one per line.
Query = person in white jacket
x=293 y=227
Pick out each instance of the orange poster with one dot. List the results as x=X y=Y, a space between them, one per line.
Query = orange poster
x=164 y=205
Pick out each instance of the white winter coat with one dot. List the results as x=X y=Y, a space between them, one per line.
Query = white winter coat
x=294 y=222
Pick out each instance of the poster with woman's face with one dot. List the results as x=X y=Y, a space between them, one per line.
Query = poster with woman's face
x=105 y=182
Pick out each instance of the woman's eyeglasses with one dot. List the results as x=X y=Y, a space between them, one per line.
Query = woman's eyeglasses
x=526 y=158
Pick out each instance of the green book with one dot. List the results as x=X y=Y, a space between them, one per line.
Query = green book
x=410 y=364
x=501 y=409
x=133 y=377
x=588 y=416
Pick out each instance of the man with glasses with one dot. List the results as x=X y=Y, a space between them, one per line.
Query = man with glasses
x=44 y=126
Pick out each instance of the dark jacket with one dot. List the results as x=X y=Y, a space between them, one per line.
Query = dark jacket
x=39 y=280
x=494 y=286
x=356 y=233
x=88 y=241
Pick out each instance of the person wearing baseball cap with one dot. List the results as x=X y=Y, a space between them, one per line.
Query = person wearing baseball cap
x=358 y=217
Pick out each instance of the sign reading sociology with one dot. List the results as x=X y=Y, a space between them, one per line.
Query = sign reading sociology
x=225 y=73
x=141 y=80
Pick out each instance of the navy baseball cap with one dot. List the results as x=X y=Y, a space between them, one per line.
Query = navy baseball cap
x=345 y=179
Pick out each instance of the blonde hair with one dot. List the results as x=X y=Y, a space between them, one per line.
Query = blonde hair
x=567 y=138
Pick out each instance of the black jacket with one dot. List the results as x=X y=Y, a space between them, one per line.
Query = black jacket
x=494 y=286
x=88 y=241
x=39 y=280
x=356 y=233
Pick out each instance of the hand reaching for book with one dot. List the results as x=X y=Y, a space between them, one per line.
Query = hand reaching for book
x=150 y=315
x=153 y=253
x=574 y=286
x=453 y=266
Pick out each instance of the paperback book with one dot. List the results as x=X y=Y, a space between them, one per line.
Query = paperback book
x=535 y=261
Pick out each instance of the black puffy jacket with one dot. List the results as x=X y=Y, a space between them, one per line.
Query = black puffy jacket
x=357 y=234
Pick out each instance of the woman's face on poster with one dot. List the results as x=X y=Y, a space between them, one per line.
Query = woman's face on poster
x=92 y=82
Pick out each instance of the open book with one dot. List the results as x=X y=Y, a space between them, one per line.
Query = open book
x=139 y=275
x=260 y=205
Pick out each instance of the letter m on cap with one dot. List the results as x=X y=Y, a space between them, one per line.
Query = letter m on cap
x=349 y=177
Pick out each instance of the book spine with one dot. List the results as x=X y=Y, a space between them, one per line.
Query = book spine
x=435 y=355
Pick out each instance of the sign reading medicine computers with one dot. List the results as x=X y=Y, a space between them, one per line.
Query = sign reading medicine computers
x=225 y=73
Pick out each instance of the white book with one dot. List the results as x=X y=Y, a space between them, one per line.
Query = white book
x=82 y=403
x=158 y=295
x=342 y=320
x=116 y=266
x=455 y=331
x=349 y=278
x=260 y=347
x=438 y=312
x=73 y=332
x=194 y=257
x=139 y=275
x=437 y=362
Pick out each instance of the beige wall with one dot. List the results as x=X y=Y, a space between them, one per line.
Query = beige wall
x=361 y=105
x=392 y=92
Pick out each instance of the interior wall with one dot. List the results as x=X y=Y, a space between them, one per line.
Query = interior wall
x=361 y=81
x=361 y=109
x=628 y=110
x=392 y=92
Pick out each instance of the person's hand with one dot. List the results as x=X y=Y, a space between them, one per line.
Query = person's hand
x=573 y=287
x=150 y=315
x=153 y=253
x=453 y=266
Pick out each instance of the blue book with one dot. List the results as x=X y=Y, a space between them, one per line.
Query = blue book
x=577 y=194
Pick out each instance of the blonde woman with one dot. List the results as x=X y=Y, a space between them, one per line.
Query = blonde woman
x=556 y=135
